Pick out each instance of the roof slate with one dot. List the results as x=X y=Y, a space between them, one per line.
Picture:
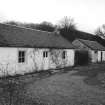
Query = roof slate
x=14 y=36
x=92 y=44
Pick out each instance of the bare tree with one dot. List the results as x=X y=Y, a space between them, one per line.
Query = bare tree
x=100 y=31
x=67 y=23
x=67 y=28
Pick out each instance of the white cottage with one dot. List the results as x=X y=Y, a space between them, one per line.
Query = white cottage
x=24 y=50
x=95 y=50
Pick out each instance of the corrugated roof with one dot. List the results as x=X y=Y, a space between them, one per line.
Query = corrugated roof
x=92 y=44
x=14 y=36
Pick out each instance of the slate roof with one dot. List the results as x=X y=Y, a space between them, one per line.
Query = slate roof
x=14 y=36
x=92 y=44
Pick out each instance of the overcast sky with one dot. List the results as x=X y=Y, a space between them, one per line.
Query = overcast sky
x=88 y=14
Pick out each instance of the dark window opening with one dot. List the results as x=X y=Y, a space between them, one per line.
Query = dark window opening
x=63 y=54
x=21 y=57
x=45 y=54
x=101 y=56
x=95 y=51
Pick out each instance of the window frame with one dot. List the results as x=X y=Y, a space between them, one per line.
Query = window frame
x=45 y=54
x=64 y=55
x=21 y=56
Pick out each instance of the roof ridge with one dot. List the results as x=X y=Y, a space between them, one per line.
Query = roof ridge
x=25 y=28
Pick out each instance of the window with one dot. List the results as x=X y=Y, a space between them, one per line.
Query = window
x=45 y=54
x=96 y=51
x=64 y=54
x=21 y=57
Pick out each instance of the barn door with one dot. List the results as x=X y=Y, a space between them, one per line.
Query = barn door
x=81 y=57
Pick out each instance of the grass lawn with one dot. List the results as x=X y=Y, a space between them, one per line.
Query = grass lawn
x=71 y=86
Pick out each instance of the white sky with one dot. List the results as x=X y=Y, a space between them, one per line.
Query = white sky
x=88 y=14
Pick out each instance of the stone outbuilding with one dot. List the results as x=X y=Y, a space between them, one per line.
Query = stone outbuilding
x=24 y=50
x=95 y=50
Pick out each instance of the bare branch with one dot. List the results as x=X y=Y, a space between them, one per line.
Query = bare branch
x=100 y=31
x=68 y=23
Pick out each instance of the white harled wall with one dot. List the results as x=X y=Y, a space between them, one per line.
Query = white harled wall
x=94 y=56
x=56 y=60
x=34 y=60
x=99 y=56
x=103 y=55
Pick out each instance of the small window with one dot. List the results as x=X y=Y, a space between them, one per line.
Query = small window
x=96 y=51
x=21 y=57
x=45 y=54
x=63 y=54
